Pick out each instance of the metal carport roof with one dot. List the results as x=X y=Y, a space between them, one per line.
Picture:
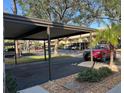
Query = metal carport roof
x=26 y=28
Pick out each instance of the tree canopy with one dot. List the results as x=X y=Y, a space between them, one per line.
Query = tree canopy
x=54 y=10
x=110 y=35
x=74 y=12
x=99 y=11
x=79 y=12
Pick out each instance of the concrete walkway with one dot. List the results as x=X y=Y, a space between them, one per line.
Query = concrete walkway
x=98 y=65
x=89 y=64
x=35 y=89
x=116 y=89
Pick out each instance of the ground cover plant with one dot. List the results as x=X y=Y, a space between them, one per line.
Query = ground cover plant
x=11 y=85
x=93 y=75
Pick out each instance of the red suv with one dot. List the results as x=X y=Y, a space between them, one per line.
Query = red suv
x=100 y=53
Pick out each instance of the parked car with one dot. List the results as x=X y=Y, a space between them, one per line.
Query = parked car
x=9 y=52
x=100 y=53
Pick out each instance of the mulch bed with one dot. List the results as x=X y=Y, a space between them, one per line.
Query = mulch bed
x=57 y=86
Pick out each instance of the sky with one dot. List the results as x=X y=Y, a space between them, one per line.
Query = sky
x=7 y=6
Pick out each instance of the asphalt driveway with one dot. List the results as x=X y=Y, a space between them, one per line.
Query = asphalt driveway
x=28 y=75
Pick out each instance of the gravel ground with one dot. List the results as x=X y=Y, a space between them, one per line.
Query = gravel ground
x=57 y=86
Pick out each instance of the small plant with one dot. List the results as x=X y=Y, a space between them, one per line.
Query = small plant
x=11 y=83
x=104 y=72
x=93 y=75
x=90 y=75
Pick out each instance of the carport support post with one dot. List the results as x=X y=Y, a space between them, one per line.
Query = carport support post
x=15 y=52
x=49 y=51
x=91 y=53
x=44 y=50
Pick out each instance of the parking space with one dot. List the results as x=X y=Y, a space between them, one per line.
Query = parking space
x=33 y=74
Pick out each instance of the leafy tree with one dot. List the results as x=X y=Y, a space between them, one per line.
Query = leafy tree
x=110 y=36
x=98 y=11
x=76 y=12
x=112 y=10
x=60 y=11
x=54 y=10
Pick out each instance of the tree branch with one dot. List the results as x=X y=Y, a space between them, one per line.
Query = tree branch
x=55 y=11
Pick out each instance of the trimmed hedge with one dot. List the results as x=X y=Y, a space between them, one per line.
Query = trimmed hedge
x=93 y=75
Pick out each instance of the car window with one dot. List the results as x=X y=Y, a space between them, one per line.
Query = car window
x=101 y=47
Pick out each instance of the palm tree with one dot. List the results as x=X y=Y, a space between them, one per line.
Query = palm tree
x=110 y=35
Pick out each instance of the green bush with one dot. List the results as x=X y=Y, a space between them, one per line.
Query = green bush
x=104 y=72
x=11 y=83
x=93 y=75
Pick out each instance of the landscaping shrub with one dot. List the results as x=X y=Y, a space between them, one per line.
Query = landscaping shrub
x=11 y=83
x=104 y=72
x=90 y=75
x=93 y=75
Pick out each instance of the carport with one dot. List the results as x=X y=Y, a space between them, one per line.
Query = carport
x=26 y=28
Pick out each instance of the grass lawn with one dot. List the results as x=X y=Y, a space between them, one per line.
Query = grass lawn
x=30 y=59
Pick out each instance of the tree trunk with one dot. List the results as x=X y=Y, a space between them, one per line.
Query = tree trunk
x=27 y=46
x=112 y=65
x=111 y=58
x=93 y=64
x=14 y=7
x=15 y=12
x=56 y=47
x=17 y=49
